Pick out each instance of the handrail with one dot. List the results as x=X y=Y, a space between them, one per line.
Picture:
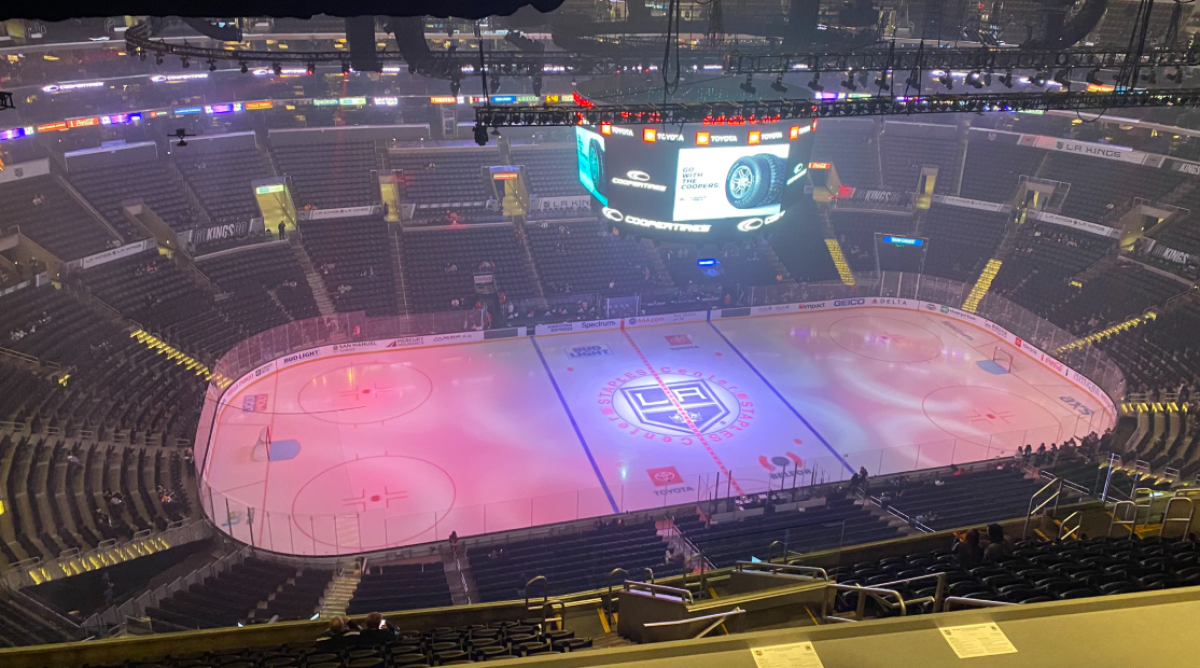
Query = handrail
x=717 y=618
x=951 y=601
x=1130 y=524
x=655 y=589
x=545 y=589
x=877 y=593
x=1065 y=533
x=1033 y=499
x=784 y=569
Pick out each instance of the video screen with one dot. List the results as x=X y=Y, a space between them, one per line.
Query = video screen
x=698 y=180
x=589 y=151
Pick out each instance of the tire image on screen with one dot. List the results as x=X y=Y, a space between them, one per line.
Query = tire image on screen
x=596 y=165
x=755 y=180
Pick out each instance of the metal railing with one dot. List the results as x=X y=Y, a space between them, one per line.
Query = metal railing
x=672 y=630
x=657 y=590
x=1048 y=493
x=32 y=571
x=889 y=599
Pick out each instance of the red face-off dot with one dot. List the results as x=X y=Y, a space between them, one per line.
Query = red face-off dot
x=375 y=498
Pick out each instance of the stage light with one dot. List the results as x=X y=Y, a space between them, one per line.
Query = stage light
x=455 y=86
x=1040 y=78
x=1007 y=79
x=1152 y=77
x=481 y=135
x=815 y=84
x=537 y=85
x=183 y=62
x=778 y=85
x=277 y=68
x=1063 y=76
x=748 y=85
x=494 y=84
x=1176 y=76
x=245 y=68
x=142 y=55
x=849 y=84
x=1093 y=77
x=158 y=59
x=947 y=80
x=881 y=81
x=975 y=79
x=345 y=68
x=212 y=65
x=573 y=82
x=312 y=69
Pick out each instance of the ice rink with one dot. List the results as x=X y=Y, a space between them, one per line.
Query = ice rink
x=382 y=449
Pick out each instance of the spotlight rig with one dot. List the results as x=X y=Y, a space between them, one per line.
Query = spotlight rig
x=6 y=101
x=770 y=111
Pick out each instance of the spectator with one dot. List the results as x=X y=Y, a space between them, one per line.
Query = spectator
x=999 y=547
x=968 y=551
x=376 y=631
x=282 y=230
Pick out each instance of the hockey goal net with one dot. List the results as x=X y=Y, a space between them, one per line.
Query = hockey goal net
x=1002 y=359
x=261 y=451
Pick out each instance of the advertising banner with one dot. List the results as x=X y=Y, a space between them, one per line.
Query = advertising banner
x=664 y=319
x=344 y=212
x=113 y=254
x=1105 y=151
x=1081 y=225
x=730 y=181
x=571 y=327
x=967 y=203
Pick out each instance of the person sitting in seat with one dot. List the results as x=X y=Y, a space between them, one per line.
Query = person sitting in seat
x=341 y=633
x=999 y=547
x=376 y=631
x=968 y=551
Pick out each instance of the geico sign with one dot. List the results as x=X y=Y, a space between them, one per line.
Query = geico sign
x=638 y=180
x=618 y=217
x=751 y=224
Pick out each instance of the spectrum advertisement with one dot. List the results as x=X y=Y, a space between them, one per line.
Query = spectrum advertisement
x=721 y=181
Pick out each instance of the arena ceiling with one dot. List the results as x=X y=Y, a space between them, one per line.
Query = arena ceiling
x=466 y=9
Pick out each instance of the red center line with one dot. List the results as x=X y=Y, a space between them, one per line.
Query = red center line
x=683 y=413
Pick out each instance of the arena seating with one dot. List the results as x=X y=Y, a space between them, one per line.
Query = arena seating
x=907 y=147
x=224 y=600
x=83 y=594
x=298 y=598
x=401 y=587
x=149 y=289
x=1102 y=188
x=429 y=254
x=107 y=188
x=853 y=148
x=551 y=171
x=20 y=626
x=329 y=175
x=1045 y=258
x=570 y=562
x=115 y=383
x=266 y=285
x=221 y=180
x=1163 y=353
x=68 y=501
x=953 y=501
x=963 y=240
x=582 y=257
x=747 y=263
x=839 y=522
x=1122 y=290
x=46 y=213
x=353 y=257
x=856 y=233
x=995 y=166
x=444 y=182
x=1039 y=571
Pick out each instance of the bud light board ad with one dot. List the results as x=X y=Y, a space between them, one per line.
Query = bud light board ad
x=720 y=180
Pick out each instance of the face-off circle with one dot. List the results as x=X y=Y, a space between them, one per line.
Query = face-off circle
x=675 y=404
x=364 y=393
x=885 y=339
x=989 y=416
x=396 y=499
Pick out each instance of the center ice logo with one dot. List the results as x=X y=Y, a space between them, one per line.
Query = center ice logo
x=674 y=405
